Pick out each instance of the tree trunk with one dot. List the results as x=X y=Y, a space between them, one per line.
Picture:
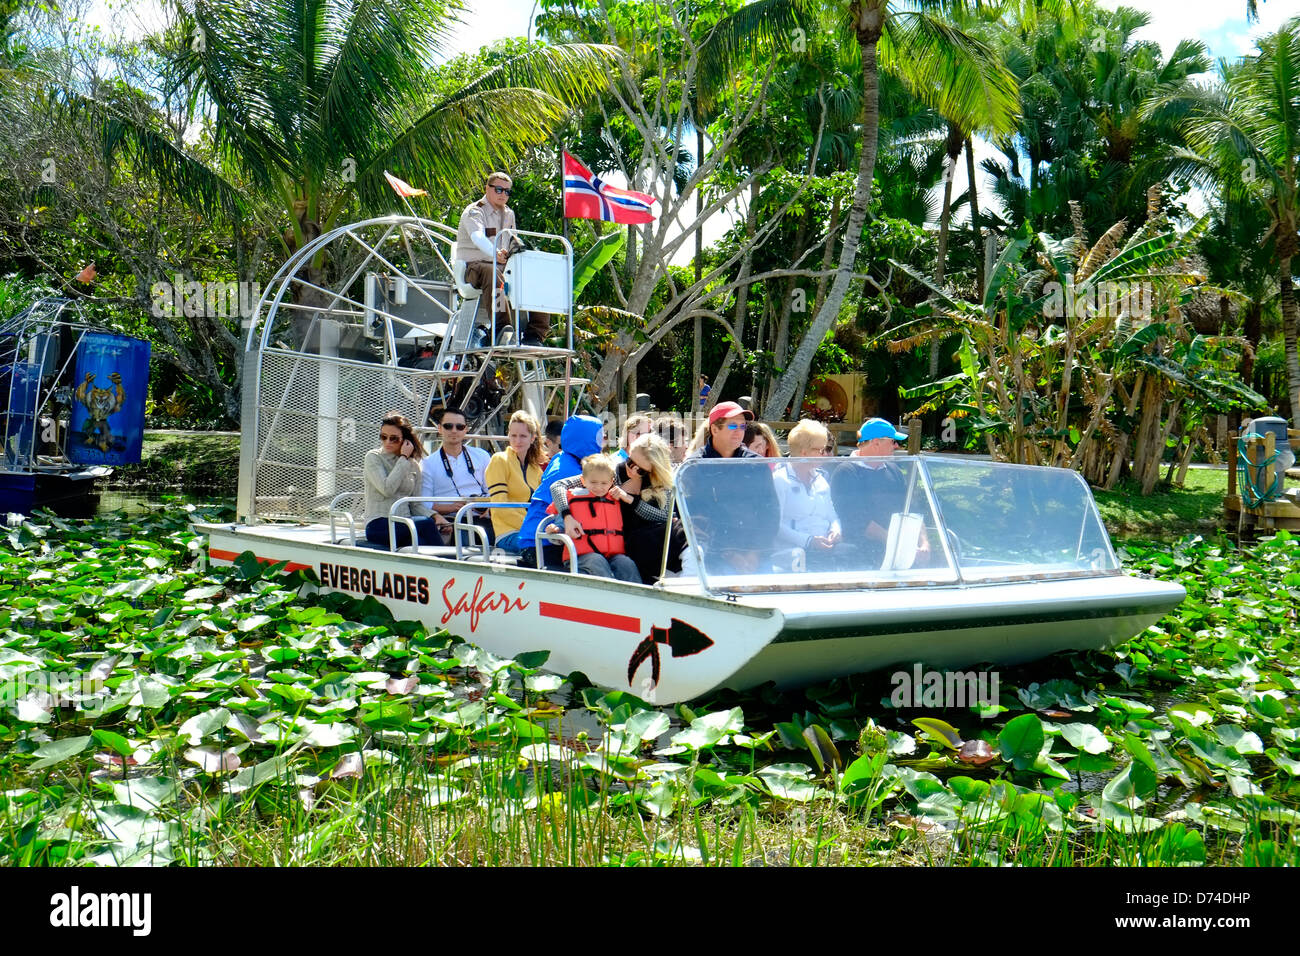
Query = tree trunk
x=1251 y=331
x=742 y=301
x=828 y=252
x=974 y=195
x=696 y=359
x=797 y=370
x=1289 y=323
x=954 y=145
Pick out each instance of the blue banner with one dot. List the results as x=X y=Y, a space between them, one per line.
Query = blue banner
x=112 y=377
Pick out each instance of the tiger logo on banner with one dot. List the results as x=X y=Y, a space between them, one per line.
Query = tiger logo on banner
x=112 y=375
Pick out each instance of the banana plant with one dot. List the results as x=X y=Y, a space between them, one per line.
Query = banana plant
x=1076 y=350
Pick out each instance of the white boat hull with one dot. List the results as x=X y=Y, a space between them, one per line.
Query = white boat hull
x=662 y=646
x=667 y=645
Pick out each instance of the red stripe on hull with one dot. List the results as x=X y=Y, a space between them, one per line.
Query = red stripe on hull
x=580 y=615
x=219 y=555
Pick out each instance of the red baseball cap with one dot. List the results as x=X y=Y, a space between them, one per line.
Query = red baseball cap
x=728 y=410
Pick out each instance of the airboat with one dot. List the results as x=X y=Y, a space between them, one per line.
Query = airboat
x=979 y=561
x=73 y=406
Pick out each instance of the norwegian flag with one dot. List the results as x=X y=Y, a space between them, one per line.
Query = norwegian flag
x=588 y=197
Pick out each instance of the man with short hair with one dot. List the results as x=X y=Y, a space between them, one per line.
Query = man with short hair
x=743 y=509
x=455 y=470
x=481 y=239
x=866 y=494
x=726 y=438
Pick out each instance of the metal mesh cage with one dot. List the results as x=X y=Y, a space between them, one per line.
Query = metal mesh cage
x=317 y=416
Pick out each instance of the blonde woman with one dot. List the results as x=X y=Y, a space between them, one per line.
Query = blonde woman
x=808 y=518
x=649 y=480
x=513 y=475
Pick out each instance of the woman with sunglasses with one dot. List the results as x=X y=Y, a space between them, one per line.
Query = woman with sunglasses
x=648 y=478
x=393 y=472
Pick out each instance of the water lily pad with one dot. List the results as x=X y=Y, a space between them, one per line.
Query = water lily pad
x=940 y=731
x=349 y=765
x=1239 y=739
x=791 y=781
x=648 y=724
x=1086 y=737
x=977 y=753
x=1021 y=740
x=710 y=729
x=213 y=759
x=146 y=793
x=59 y=750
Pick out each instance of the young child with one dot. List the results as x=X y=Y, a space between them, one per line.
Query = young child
x=594 y=505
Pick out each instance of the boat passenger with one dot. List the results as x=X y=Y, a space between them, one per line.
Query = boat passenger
x=479 y=241
x=551 y=441
x=674 y=433
x=598 y=529
x=736 y=519
x=393 y=471
x=649 y=480
x=513 y=475
x=725 y=437
x=808 y=518
x=456 y=470
x=868 y=492
x=761 y=440
x=633 y=428
x=583 y=435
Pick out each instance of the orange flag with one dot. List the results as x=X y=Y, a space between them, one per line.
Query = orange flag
x=403 y=188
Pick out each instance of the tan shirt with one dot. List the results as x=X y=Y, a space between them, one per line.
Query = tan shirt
x=480 y=214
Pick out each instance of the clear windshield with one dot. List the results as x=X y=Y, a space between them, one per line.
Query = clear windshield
x=831 y=523
x=1008 y=520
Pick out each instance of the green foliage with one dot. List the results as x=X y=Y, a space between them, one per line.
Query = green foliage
x=225 y=717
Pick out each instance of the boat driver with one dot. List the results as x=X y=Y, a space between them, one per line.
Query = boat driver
x=866 y=495
x=481 y=238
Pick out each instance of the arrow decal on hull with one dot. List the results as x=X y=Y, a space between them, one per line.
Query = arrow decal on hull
x=682 y=639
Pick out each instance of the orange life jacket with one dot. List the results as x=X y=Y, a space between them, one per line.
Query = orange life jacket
x=601 y=520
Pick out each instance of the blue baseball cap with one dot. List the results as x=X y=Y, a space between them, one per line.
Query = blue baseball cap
x=878 y=428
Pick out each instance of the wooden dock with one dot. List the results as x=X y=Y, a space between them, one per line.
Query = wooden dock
x=1266 y=516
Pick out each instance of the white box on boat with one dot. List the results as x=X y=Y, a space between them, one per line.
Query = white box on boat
x=538 y=282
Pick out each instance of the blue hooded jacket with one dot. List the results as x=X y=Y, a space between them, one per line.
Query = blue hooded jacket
x=582 y=435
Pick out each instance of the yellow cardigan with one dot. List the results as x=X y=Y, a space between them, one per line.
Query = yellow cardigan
x=506 y=482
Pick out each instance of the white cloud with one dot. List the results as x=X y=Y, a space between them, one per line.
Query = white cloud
x=1219 y=24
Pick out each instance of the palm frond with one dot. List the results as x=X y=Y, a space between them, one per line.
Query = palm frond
x=951 y=71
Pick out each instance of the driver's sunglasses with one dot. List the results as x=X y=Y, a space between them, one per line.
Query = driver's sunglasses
x=454 y=426
x=502 y=189
x=387 y=438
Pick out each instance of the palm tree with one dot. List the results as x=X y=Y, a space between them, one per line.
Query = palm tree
x=310 y=101
x=946 y=69
x=1246 y=134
